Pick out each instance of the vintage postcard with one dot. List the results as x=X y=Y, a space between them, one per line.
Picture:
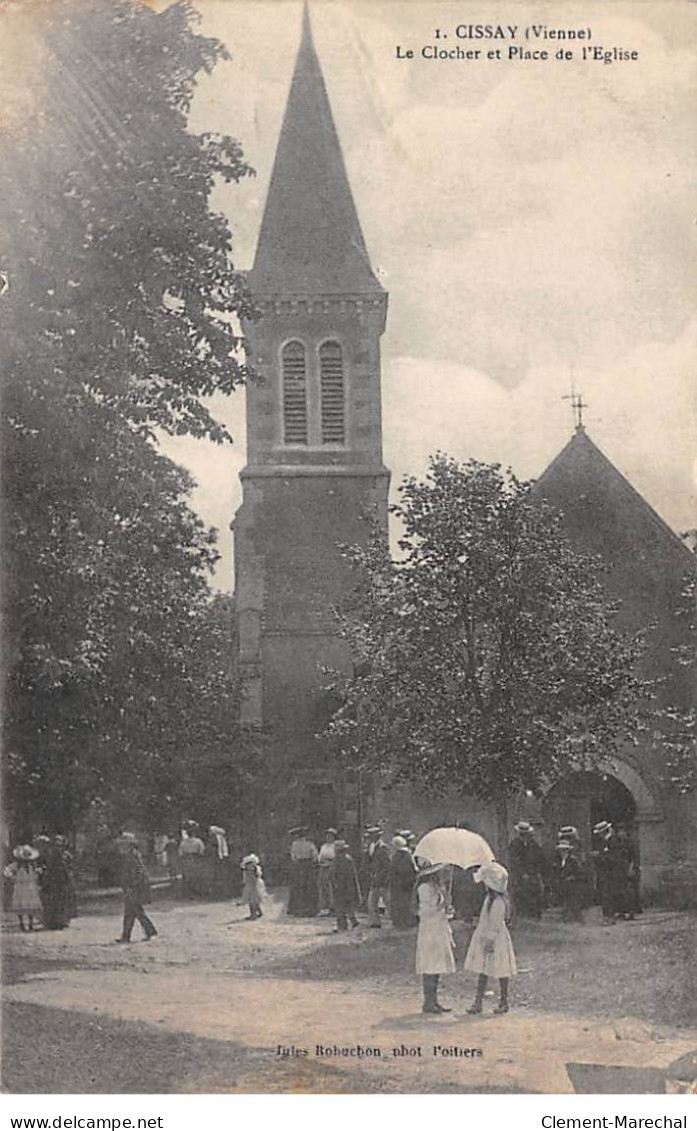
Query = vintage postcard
x=349 y=546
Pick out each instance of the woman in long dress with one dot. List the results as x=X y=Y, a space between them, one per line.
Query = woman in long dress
x=57 y=889
x=490 y=953
x=434 y=942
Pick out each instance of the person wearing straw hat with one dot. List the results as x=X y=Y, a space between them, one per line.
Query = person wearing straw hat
x=490 y=953
x=569 y=881
x=26 y=900
x=410 y=837
x=135 y=883
x=345 y=886
x=218 y=862
x=379 y=891
x=609 y=869
x=254 y=888
x=527 y=864
x=434 y=941
x=402 y=876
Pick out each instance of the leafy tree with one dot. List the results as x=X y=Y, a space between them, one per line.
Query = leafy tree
x=119 y=673
x=486 y=654
x=120 y=275
x=119 y=316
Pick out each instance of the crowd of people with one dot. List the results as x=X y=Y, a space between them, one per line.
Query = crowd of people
x=327 y=881
x=389 y=880
x=382 y=881
x=200 y=860
x=608 y=875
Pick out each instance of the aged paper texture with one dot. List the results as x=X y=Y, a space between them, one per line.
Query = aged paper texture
x=470 y=231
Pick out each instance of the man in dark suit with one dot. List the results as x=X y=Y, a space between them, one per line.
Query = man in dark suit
x=135 y=883
x=345 y=887
x=526 y=867
x=379 y=855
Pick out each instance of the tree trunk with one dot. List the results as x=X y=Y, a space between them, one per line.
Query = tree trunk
x=501 y=827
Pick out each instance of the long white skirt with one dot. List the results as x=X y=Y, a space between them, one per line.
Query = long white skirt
x=434 y=942
x=499 y=963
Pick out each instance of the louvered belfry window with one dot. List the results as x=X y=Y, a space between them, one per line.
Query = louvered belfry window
x=294 y=394
x=331 y=369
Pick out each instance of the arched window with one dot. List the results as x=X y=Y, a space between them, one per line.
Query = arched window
x=331 y=371
x=294 y=393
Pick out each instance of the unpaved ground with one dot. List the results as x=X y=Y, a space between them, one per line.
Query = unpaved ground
x=220 y=1004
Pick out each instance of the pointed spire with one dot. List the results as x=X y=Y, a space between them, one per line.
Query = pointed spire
x=306 y=37
x=311 y=240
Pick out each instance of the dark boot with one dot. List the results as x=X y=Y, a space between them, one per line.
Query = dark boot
x=430 y=984
x=476 y=1006
x=502 y=1007
x=439 y=1008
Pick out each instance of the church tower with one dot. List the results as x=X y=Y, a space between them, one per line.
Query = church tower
x=314 y=474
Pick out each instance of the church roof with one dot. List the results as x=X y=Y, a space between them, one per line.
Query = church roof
x=310 y=241
x=603 y=509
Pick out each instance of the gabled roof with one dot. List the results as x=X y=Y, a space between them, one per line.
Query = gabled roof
x=601 y=503
x=310 y=241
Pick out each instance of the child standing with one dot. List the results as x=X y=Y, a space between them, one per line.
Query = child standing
x=434 y=942
x=254 y=889
x=26 y=900
x=490 y=952
x=345 y=887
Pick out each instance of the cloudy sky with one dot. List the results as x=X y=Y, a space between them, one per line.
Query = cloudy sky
x=533 y=223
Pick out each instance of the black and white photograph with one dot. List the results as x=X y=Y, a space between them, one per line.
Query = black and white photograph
x=349 y=483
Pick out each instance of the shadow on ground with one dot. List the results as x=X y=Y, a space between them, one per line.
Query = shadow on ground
x=101 y=1055
x=644 y=969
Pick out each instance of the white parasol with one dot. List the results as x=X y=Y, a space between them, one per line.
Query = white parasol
x=454 y=846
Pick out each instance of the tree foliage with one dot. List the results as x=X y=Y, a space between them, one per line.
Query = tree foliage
x=487 y=654
x=679 y=730
x=118 y=662
x=118 y=319
x=120 y=275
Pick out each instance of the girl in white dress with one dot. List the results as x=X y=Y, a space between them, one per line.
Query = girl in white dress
x=434 y=942
x=490 y=952
x=26 y=901
x=254 y=889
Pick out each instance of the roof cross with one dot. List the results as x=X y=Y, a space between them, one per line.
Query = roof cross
x=577 y=406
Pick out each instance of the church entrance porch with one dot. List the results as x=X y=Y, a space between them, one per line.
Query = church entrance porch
x=615 y=792
x=583 y=799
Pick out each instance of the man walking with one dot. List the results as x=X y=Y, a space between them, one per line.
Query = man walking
x=135 y=883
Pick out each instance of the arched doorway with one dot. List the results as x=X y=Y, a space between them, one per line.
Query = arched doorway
x=584 y=798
